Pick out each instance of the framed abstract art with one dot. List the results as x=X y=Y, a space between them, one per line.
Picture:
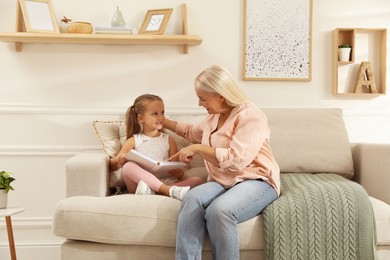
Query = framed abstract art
x=277 y=40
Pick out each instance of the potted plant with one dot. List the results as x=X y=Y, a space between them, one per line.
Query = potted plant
x=5 y=187
x=344 y=52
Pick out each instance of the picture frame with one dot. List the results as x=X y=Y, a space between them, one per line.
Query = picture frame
x=39 y=16
x=156 y=21
x=277 y=46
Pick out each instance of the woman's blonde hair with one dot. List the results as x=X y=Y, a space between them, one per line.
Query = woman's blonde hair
x=139 y=107
x=216 y=79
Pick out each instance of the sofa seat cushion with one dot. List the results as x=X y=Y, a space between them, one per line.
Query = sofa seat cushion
x=382 y=220
x=134 y=220
x=151 y=220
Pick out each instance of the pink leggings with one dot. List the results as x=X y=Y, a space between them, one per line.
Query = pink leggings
x=132 y=174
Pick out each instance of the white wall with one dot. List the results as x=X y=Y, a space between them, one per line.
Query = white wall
x=49 y=94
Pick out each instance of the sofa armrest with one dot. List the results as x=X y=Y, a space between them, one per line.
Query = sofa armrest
x=87 y=174
x=372 y=169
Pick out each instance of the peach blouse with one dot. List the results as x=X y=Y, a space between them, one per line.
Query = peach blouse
x=242 y=146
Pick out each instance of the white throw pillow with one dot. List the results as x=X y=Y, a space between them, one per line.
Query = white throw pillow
x=112 y=135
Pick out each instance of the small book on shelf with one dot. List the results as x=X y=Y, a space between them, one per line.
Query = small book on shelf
x=120 y=30
x=159 y=169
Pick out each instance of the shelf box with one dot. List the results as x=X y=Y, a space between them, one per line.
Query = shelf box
x=367 y=45
x=347 y=36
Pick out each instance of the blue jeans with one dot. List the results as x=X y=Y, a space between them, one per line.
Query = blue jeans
x=210 y=208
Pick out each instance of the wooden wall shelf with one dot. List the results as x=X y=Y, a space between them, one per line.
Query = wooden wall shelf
x=119 y=39
x=19 y=37
x=360 y=95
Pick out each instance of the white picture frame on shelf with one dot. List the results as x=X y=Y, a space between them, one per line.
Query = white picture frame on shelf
x=39 y=16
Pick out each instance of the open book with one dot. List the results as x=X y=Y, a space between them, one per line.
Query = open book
x=159 y=169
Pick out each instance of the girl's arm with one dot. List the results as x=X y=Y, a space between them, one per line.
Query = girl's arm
x=117 y=161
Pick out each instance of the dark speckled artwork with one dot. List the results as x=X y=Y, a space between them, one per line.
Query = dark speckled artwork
x=277 y=43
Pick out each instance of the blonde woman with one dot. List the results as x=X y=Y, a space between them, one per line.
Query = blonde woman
x=243 y=176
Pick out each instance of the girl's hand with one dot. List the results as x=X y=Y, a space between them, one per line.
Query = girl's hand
x=115 y=163
x=121 y=159
x=177 y=173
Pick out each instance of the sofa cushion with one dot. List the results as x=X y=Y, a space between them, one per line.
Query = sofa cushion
x=111 y=134
x=133 y=220
x=382 y=221
x=151 y=220
x=310 y=140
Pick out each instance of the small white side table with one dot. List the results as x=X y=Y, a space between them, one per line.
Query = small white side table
x=7 y=213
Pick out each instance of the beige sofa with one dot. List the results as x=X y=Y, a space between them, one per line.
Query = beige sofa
x=98 y=226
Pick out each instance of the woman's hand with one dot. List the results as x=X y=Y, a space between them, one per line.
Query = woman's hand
x=185 y=154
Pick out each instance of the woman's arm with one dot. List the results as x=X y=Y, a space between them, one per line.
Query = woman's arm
x=170 y=124
x=249 y=130
x=186 y=153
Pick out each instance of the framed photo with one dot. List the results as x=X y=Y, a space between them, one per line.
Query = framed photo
x=39 y=16
x=156 y=21
x=277 y=40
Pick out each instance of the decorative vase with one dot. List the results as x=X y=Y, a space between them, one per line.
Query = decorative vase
x=3 y=198
x=344 y=54
x=117 y=19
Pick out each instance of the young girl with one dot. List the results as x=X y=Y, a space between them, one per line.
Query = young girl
x=144 y=122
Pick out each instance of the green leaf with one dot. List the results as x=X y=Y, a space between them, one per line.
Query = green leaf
x=5 y=181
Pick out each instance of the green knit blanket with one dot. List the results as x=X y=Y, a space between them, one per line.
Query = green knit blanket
x=319 y=216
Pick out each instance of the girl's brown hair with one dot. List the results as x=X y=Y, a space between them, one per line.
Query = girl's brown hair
x=139 y=107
